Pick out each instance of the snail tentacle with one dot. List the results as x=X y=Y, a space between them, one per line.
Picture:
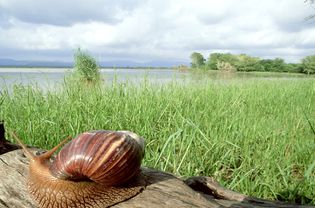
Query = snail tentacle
x=26 y=151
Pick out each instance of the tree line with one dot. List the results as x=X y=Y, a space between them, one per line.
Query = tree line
x=244 y=62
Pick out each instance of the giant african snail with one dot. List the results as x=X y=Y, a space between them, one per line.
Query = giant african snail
x=90 y=171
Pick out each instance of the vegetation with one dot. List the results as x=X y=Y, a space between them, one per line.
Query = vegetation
x=243 y=62
x=253 y=136
x=216 y=58
x=86 y=66
x=225 y=66
x=308 y=65
x=197 y=60
x=311 y=2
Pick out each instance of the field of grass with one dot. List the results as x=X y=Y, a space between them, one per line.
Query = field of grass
x=253 y=136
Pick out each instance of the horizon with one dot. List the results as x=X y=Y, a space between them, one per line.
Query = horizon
x=103 y=64
x=155 y=31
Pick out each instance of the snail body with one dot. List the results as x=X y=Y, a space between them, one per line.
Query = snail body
x=96 y=169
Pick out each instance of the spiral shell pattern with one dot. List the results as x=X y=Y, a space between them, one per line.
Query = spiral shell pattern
x=110 y=158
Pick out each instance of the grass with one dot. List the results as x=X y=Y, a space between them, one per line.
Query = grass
x=86 y=66
x=253 y=136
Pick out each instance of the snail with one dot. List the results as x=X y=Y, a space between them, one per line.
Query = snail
x=96 y=169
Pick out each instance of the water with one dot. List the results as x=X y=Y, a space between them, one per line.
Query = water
x=49 y=78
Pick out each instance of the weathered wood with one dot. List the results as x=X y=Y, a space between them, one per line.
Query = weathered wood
x=163 y=189
x=210 y=187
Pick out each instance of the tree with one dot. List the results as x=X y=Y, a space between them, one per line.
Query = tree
x=313 y=15
x=274 y=65
x=216 y=58
x=197 y=60
x=294 y=68
x=213 y=60
x=278 y=64
x=248 y=63
x=308 y=64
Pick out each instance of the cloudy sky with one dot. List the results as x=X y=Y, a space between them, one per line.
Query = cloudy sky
x=155 y=30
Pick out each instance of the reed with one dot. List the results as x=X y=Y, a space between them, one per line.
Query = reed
x=252 y=136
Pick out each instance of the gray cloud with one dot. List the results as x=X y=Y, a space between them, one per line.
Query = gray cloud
x=66 y=13
x=155 y=30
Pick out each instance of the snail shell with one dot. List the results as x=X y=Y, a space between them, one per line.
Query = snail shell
x=106 y=157
x=96 y=169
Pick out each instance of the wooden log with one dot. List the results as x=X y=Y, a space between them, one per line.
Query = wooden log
x=162 y=190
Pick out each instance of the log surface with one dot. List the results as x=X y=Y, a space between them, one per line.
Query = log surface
x=163 y=189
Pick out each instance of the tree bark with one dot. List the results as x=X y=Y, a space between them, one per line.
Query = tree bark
x=162 y=190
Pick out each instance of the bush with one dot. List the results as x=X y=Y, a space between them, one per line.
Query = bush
x=308 y=64
x=86 y=66
x=225 y=67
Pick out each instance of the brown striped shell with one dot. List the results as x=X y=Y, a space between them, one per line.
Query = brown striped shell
x=106 y=157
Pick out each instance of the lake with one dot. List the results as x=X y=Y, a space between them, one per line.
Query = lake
x=47 y=78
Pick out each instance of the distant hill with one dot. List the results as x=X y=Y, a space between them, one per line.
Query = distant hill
x=118 y=63
x=24 y=63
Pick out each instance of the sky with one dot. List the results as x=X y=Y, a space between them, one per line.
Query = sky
x=155 y=30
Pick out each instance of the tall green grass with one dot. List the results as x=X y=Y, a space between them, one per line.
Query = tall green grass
x=252 y=136
x=86 y=67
